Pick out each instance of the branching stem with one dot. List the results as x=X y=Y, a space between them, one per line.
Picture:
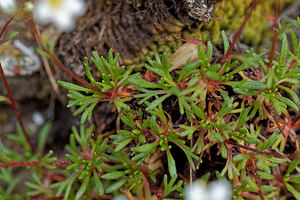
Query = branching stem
x=33 y=163
x=14 y=107
x=274 y=154
x=5 y=26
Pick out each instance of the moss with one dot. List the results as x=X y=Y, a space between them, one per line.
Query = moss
x=228 y=15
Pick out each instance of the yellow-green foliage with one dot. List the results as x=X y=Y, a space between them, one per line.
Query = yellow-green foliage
x=228 y=15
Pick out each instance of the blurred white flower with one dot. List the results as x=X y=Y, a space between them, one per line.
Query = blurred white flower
x=218 y=190
x=196 y=191
x=61 y=13
x=120 y=198
x=8 y=6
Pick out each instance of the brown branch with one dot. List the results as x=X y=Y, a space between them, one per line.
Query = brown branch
x=239 y=32
x=33 y=163
x=57 y=62
x=19 y=164
x=37 y=35
x=275 y=36
x=153 y=187
x=60 y=163
x=14 y=107
x=5 y=26
x=274 y=154
x=45 y=198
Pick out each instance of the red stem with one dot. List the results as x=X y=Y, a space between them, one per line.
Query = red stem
x=44 y=198
x=275 y=36
x=274 y=154
x=153 y=187
x=13 y=106
x=5 y=26
x=74 y=76
x=57 y=62
x=239 y=32
x=33 y=163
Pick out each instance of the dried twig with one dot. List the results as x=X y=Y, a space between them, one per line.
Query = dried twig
x=14 y=107
x=275 y=36
x=239 y=32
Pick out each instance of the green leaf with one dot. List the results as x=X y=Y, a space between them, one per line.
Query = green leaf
x=287 y=102
x=171 y=164
x=137 y=80
x=276 y=105
x=243 y=117
x=270 y=141
x=126 y=119
x=217 y=136
x=145 y=148
x=293 y=166
x=71 y=86
x=212 y=75
x=12 y=35
x=41 y=52
x=284 y=50
x=198 y=111
x=98 y=183
x=87 y=113
x=88 y=72
x=158 y=101
x=113 y=175
x=43 y=135
x=209 y=52
x=294 y=40
x=201 y=52
x=295 y=179
x=265 y=175
x=83 y=187
x=292 y=93
x=289 y=80
x=187 y=69
x=226 y=98
x=113 y=187
x=223 y=151
x=97 y=61
x=292 y=190
x=188 y=130
x=256 y=85
x=251 y=140
x=194 y=80
x=267 y=188
x=225 y=41
x=240 y=157
x=123 y=143
x=187 y=150
x=153 y=125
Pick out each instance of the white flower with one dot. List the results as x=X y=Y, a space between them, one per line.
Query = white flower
x=218 y=190
x=8 y=6
x=61 y=13
x=196 y=191
x=120 y=198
